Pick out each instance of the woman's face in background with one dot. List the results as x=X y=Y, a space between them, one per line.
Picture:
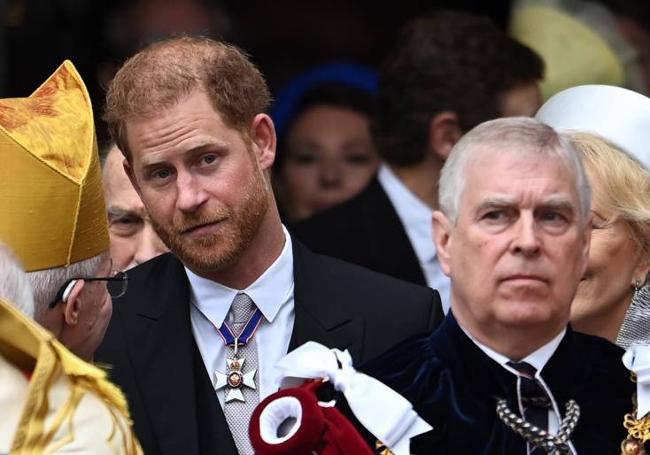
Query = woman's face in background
x=329 y=158
x=615 y=262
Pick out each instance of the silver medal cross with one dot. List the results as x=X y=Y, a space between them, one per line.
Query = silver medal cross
x=235 y=379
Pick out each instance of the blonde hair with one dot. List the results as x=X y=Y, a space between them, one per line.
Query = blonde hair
x=621 y=184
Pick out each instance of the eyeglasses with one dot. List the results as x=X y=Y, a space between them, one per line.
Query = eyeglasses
x=116 y=286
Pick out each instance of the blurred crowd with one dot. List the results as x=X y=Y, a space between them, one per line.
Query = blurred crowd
x=299 y=227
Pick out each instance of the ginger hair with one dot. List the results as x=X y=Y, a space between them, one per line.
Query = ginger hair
x=165 y=72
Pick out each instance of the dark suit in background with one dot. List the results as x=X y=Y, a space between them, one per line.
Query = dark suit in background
x=427 y=98
x=155 y=359
x=367 y=231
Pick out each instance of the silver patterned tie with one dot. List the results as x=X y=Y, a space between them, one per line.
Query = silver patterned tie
x=238 y=413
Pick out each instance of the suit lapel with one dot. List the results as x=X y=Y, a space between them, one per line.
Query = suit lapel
x=321 y=312
x=163 y=356
x=389 y=245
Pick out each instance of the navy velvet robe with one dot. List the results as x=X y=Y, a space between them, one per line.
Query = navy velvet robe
x=454 y=386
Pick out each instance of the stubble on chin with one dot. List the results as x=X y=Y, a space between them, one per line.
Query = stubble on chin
x=221 y=250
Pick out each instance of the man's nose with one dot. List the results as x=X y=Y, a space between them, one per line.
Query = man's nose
x=190 y=194
x=149 y=246
x=526 y=236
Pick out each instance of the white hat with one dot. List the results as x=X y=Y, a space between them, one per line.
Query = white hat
x=620 y=116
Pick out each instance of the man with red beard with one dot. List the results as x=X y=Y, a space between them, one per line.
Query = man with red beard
x=194 y=341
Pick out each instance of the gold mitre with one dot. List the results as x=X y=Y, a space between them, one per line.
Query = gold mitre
x=52 y=210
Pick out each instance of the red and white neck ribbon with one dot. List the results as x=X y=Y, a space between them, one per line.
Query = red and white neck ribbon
x=637 y=360
x=382 y=411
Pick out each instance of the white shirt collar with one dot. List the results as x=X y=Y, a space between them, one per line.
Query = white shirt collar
x=268 y=292
x=413 y=212
x=537 y=359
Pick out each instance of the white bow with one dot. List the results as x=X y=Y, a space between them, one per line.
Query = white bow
x=382 y=411
x=637 y=359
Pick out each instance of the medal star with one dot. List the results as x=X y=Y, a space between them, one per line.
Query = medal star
x=222 y=380
x=234 y=393
x=236 y=364
x=249 y=379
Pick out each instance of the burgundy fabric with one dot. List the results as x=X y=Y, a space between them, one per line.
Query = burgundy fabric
x=323 y=430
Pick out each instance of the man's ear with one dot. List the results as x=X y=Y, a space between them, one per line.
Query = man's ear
x=264 y=140
x=72 y=304
x=444 y=132
x=131 y=174
x=442 y=230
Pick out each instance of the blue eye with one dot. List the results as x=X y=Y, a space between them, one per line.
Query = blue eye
x=161 y=174
x=209 y=159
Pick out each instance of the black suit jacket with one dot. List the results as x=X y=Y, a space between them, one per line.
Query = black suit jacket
x=365 y=230
x=154 y=357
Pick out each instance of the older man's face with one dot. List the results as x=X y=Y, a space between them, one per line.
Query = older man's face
x=133 y=239
x=519 y=248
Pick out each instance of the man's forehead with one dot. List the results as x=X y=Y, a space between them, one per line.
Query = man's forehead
x=508 y=176
x=122 y=194
x=191 y=123
x=508 y=159
x=188 y=147
x=514 y=156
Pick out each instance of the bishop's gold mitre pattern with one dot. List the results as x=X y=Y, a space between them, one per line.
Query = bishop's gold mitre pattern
x=52 y=210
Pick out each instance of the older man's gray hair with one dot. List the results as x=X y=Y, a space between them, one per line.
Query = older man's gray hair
x=46 y=283
x=523 y=135
x=14 y=285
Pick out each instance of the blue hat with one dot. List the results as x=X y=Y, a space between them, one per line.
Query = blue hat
x=349 y=74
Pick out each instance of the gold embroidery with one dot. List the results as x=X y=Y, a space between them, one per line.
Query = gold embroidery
x=381 y=449
x=638 y=431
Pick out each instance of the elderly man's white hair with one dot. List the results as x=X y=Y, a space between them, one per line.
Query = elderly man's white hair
x=15 y=288
x=523 y=135
x=46 y=283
